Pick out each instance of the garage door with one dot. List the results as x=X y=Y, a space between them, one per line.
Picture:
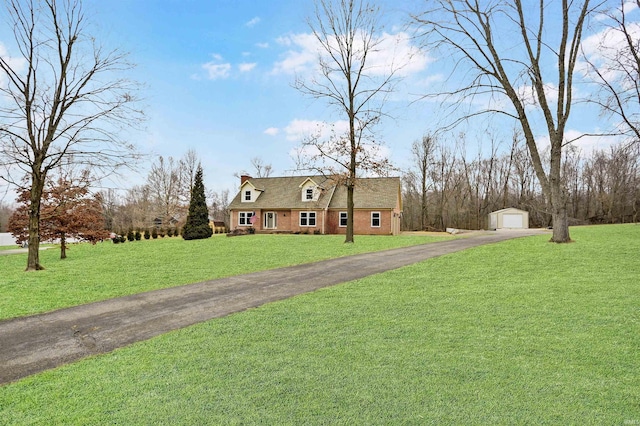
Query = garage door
x=512 y=221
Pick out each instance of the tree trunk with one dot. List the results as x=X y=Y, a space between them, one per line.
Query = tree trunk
x=33 y=260
x=557 y=192
x=349 y=236
x=560 y=226
x=63 y=246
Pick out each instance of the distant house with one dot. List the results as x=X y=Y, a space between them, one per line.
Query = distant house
x=218 y=226
x=510 y=218
x=159 y=222
x=316 y=204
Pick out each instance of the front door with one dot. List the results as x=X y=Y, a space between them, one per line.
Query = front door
x=270 y=220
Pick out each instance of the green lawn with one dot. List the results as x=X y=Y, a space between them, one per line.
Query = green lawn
x=107 y=270
x=521 y=332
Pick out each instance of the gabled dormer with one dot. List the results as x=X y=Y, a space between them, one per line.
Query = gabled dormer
x=309 y=190
x=248 y=192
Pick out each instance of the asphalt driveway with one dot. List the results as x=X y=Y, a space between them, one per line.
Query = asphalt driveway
x=36 y=343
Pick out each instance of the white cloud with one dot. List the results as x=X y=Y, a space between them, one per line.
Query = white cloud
x=272 y=131
x=262 y=45
x=253 y=22
x=217 y=71
x=246 y=67
x=17 y=63
x=393 y=52
x=605 y=48
x=301 y=58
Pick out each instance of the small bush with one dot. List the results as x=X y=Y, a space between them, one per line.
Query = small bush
x=123 y=238
x=138 y=235
x=154 y=233
x=116 y=239
x=130 y=235
x=147 y=234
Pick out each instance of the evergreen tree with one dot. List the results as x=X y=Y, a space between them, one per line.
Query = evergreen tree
x=197 y=225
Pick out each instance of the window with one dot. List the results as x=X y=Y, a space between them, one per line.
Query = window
x=375 y=219
x=307 y=218
x=343 y=219
x=309 y=194
x=244 y=218
x=247 y=195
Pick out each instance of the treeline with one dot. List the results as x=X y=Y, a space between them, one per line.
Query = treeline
x=444 y=189
x=162 y=201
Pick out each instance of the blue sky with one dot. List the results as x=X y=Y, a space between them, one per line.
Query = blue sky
x=218 y=76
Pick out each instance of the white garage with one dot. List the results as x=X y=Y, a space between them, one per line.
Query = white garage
x=510 y=218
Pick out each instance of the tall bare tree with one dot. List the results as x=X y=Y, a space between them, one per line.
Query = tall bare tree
x=348 y=33
x=525 y=51
x=164 y=183
x=422 y=156
x=65 y=98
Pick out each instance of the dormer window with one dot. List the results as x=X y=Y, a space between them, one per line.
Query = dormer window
x=309 y=190
x=249 y=193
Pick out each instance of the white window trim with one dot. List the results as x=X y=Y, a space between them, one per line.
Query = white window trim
x=307 y=192
x=247 y=218
x=308 y=218
x=249 y=193
x=379 y=220
x=340 y=225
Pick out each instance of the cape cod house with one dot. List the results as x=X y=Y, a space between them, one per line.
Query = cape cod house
x=316 y=204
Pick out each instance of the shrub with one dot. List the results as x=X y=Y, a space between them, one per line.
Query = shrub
x=116 y=239
x=138 y=235
x=147 y=235
x=123 y=238
x=154 y=233
x=130 y=235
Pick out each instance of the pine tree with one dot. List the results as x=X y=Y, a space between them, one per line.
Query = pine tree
x=197 y=225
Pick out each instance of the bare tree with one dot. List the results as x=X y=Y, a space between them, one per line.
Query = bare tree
x=188 y=167
x=164 y=183
x=422 y=151
x=219 y=205
x=510 y=49
x=347 y=32
x=262 y=169
x=65 y=100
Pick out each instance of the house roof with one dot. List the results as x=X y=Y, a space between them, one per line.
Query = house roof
x=369 y=193
x=509 y=209
x=284 y=193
